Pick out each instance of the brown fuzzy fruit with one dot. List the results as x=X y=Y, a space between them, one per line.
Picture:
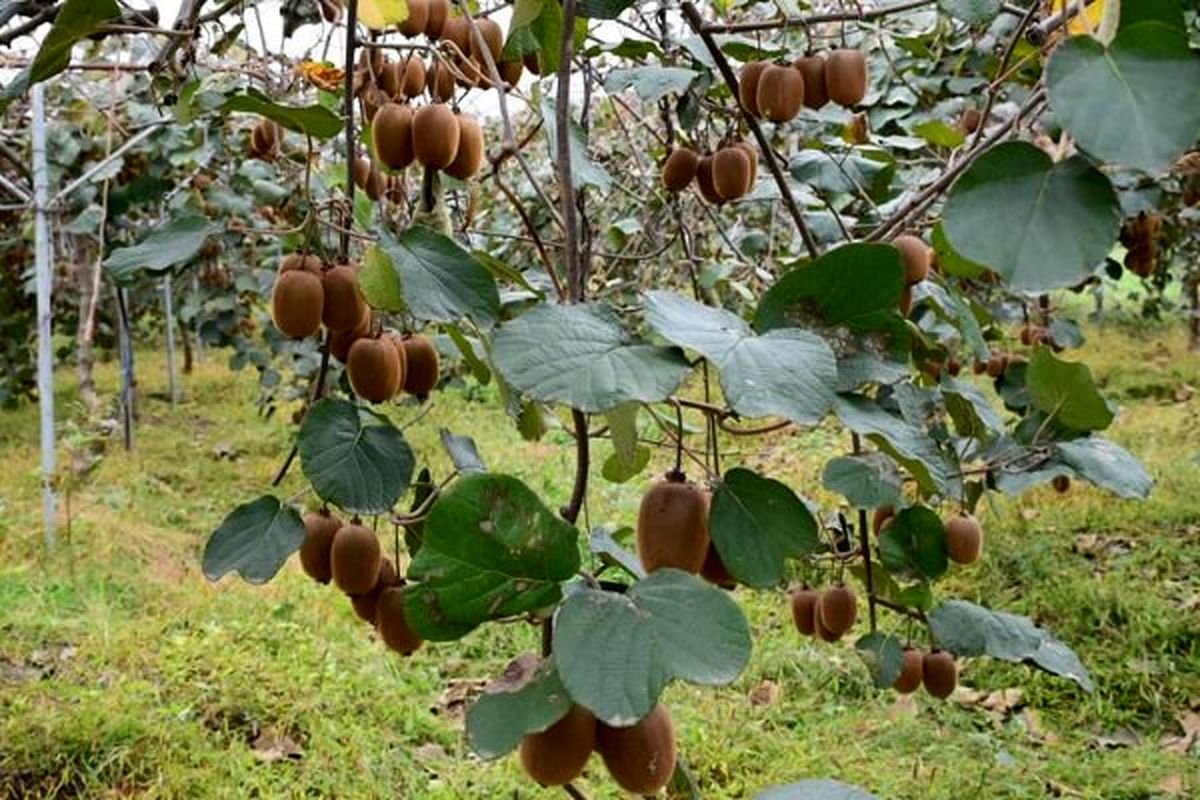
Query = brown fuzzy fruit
x=731 y=172
x=780 y=93
x=915 y=254
x=341 y=342
x=376 y=184
x=672 y=526
x=355 y=558
x=366 y=605
x=418 y=17
x=939 y=673
x=361 y=171
x=911 y=672
x=511 y=71
x=882 y=516
x=305 y=262
x=265 y=140
x=1061 y=484
x=439 y=10
x=422 y=375
x=837 y=609
x=704 y=181
x=970 y=119
x=679 y=170
x=846 y=77
x=804 y=610
x=319 y=530
x=641 y=757
x=753 y=155
x=531 y=62
x=344 y=304
x=748 y=85
x=391 y=77
x=392 y=622
x=469 y=158
x=714 y=571
x=374 y=370
x=392 y=135
x=373 y=99
x=435 y=135
x=812 y=69
x=964 y=539
x=439 y=82
x=823 y=633
x=412 y=77
x=997 y=364
x=297 y=304
x=458 y=31
x=557 y=755
x=493 y=39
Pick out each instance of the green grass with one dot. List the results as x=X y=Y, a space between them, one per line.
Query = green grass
x=124 y=673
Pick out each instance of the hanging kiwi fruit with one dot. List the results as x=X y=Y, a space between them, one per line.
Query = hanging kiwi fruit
x=469 y=158
x=435 y=135
x=640 y=757
x=846 y=77
x=780 y=93
x=679 y=170
x=672 y=525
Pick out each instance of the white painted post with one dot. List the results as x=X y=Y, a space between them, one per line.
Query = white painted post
x=168 y=302
x=45 y=286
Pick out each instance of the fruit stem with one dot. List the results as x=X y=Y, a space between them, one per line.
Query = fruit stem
x=864 y=543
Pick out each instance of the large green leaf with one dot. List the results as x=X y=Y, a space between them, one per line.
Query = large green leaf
x=1108 y=465
x=354 y=458
x=536 y=27
x=844 y=173
x=1041 y=225
x=177 y=242
x=491 y=549
x=650 y=83
x=75 y=20
x=581 y=356
x=439 y=280
x=788 y=372
x=909 y=445
x=857 y=285
x=584 y=171
x=914 y=545
x=966 y=629
x=972 y=12
x=379 y=281
x=758 y=523
x=971 y=410
x=815 y=789
x=315 y=120
x=628 y=458
x=603 y=9
x=1135 y=102
x=867 y=481
x=1066 y=391
x=883 y=656
x=616 y=652
x=528 y=698
x=255 y=540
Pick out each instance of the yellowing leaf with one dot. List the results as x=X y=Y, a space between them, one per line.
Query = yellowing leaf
x=1091 y=19
x=378 y=14
x=323 y=76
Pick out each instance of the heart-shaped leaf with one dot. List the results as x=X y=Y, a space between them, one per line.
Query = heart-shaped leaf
x=176 y=242
x=255 y=540
x=867 y=481
x=438 y=280
x=1066 y=390
x=915 y=544
x=527 y=698
x=315 y=120
x=883 y=656
x=1108 y=465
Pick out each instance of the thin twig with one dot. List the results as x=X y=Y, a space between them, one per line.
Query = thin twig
x=857 y=14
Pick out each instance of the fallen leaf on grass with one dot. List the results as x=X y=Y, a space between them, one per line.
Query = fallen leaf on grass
x=1172 y=785
x=765 y=694
x=1189 y=721
x=1121 y=737
x=269 y=747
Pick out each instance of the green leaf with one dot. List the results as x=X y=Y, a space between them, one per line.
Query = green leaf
x=628 y=458
x=970 y=410
x=966 y=629
x=603 y=9
x=536 y=27
x=584 y=171
x=815 y=789
x=580 y=355
x=255 y=540
x=616 y=652
x=491 y=549
x=949 y=261
x=883 y=656
x=756 y=524
x=439 y=280
x=1108 y=465
x=603 y=542
x=75 y=20
x=315 y=120
x=353 y=457
x=1135 y=102
x=909 y=445
x=788 y=373
x=843 y=173
x=867 y=481
x=973 y=12
x=1041 y=225
x=177 y=242
x=939 y=134
x=462 y=451
x=379 y=281
x=915 y=544
x=1066 y=391
x=651 y=83
x=379 y=14
x=527 y=698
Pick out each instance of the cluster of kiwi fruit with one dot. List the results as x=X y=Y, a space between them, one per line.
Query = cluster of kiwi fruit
x=936 y=671
x=964 y=534
x=351 y=557
x=639 y=757
x=829 y=614
x=672 y=530
x=726 y=175
x=996 y=364
x=777 y=92
x=265 y=140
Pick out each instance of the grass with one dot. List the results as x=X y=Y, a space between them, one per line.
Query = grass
x=123 y=672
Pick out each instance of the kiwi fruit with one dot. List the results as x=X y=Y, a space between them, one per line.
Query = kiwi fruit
x=996 y=364
x=557 y=755
x=531 y=62
x=493 y=38
x=1061 y=484
x=355 y=558
x=435 y=135
x=953 y=366
x=392 y=622
x=422 y=374
x=804 y=610
x=748 y=85
x=752 y=154
x=373 y=99
x=439 y=82
x=391 y=78
x=714 y=570
x=704 y=181
x=510 y=71
x=939 y=673
x=361 y=171
x=418 y=17
x=672 y=526
x=846 y=77
x=376 y=184
x=331 y=11
x=915 y=255
x=340 y=342
x=265 y=139
x=812 y=69
x=374 y=370
x=319 y=530
x=780 y=93
x=882 y=516
x=731 y=172
x=392 y=135
x=439 y=10
x=679 y=170
x=344 y=303
x=911 y=672
x=457 y=31
x=837 y=609
x=906 y=301
x=641 y=757
x=964 y=539
x=305 y=262
x=397 y=342
x=469 y=158
x=969 y=120
x=365 y=605
x=297 y=304
x=412 y=77
x=823 y=633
